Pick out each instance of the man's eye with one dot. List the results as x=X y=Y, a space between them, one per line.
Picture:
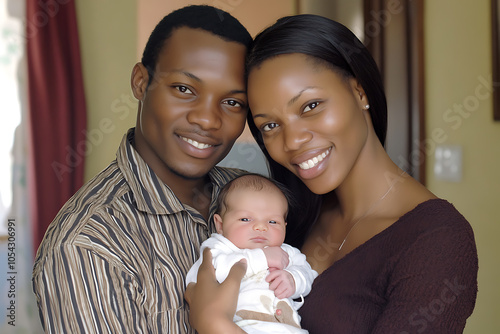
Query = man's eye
x=183 y=89
x=269 y=127
x=310 y=106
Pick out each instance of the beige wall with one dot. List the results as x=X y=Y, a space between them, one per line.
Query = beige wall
x=253 y=14
x=347 y=12
x=108 y=35
x=458 y=59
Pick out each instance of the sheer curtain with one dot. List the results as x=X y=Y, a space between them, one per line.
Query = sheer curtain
x=42 y=140
x=16 y=253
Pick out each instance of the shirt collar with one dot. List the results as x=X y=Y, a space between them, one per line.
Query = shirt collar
x=150 y=193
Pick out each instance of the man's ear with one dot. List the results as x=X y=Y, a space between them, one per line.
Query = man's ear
x=139 y=81
x=359 y=94
x=218 y=223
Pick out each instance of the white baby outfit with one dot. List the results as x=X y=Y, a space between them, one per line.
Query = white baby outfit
x=258 y=309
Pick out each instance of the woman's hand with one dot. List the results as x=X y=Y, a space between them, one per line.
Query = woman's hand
x=212 y=305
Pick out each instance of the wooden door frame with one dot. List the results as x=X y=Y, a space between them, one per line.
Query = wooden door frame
x=413 y=11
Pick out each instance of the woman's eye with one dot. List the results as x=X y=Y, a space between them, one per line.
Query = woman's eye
x=233 y=103
x=269 y=127
x=183 y=89
x=310 y=106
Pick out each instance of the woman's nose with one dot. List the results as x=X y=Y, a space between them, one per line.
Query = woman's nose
x=295 y=135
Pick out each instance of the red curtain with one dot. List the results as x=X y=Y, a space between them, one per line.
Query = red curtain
x=57 y=108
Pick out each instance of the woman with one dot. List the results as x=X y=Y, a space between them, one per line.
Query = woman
x=392 y=257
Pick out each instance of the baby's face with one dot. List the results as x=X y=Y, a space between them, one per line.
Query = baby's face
x=254 y=219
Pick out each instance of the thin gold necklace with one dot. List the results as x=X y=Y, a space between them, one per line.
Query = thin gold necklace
x=370 y=209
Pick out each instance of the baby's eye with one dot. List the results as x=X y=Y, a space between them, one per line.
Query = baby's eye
x=269 y=127
x=310 y=106
x=183 y=89
x=244 y=219
x=272 y=222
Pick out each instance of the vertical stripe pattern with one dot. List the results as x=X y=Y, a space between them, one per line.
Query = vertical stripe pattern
x=114 y=259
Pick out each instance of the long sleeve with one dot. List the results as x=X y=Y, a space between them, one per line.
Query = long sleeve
x=115 y=258
x=225 y=255
x=79 y=291
x=417 y=276
x=434 y=285
x=301 y=271
x=256 y=261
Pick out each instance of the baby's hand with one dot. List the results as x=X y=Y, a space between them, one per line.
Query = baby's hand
x=282 y=283
x=276 y=257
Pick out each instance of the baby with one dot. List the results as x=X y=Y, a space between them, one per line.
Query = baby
x=250 y=223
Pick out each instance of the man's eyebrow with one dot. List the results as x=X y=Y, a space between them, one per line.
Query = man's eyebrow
x=296 y=97
x=194 y=77
x=237 y=91
x=188 y=74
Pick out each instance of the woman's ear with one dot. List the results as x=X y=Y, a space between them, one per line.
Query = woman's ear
x=139 y=81
x=359 y=94
x=218 y=223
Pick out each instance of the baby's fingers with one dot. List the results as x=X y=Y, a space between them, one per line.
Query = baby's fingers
x=272 y=275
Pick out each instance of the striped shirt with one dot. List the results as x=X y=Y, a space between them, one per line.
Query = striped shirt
x=114 y=259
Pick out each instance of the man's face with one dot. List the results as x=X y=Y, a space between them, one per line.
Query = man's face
x=195 y=107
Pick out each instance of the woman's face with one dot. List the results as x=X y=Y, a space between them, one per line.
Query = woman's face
x=311 y=118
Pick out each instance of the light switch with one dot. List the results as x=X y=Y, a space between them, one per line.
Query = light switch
x=448 y=163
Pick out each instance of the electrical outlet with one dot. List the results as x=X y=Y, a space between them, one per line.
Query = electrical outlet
x=448 y=163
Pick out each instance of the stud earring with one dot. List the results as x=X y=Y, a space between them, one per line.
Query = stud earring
x=367 y=107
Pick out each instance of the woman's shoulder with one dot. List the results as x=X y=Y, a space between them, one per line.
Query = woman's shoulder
x=434 y=218
x=436 y=210
x=415 y=203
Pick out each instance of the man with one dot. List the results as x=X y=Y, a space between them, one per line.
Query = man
x=115 y=258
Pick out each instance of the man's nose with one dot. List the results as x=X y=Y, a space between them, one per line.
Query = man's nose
x=206 y=113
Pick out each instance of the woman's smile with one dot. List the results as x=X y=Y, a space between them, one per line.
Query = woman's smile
x=310 y=163
x=315 y=112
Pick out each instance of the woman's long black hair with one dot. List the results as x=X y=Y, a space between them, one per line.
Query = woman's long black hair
x=337 y=47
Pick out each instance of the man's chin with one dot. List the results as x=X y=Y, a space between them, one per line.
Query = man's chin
x=190 y=175
x=195 y=171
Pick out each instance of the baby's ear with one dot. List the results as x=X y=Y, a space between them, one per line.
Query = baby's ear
x=218 y=223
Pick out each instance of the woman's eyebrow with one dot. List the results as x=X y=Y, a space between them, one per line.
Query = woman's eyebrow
x=292 y=100
x=296 y=97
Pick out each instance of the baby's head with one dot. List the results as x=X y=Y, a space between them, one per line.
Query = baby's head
x=252 y=211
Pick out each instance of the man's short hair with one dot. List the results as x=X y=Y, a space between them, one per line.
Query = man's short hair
x=208 y=18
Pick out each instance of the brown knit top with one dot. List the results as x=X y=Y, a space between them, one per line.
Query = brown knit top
x=417 y=276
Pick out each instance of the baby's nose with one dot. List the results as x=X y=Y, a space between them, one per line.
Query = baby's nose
x=260 y=226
